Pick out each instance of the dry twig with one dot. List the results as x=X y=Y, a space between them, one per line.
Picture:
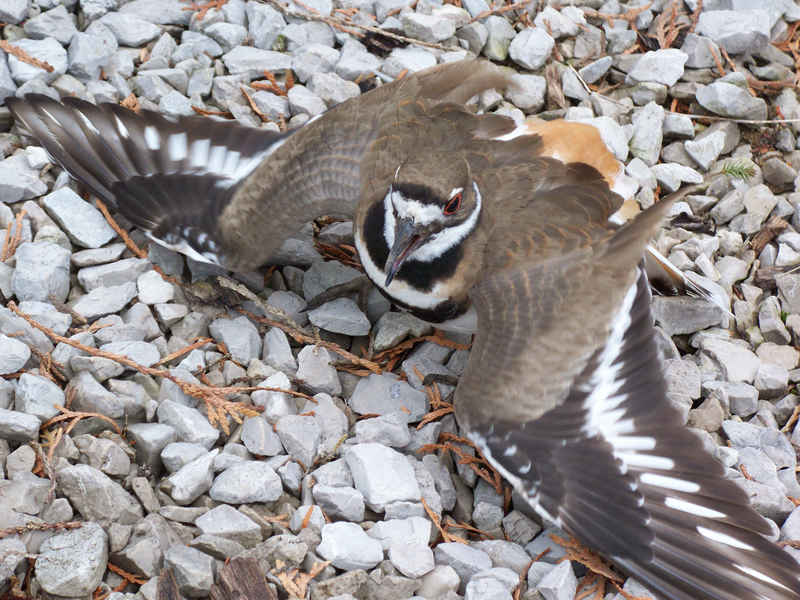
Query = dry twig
x=120 y=231
x=76 y=416
x=630 y=15
x=343 y=253
x=273 y=85
x=591 y=587
x=477 y=463
x=253 y=105
x=555 y=91
x=304 y=338
x=667 y=30
x=39 y=526
x=499 y=10
x=131 y=103
x=18 y=52
x=770 y=229
x=203 y=8
x=576 y=551
x=128 y=577
x=214 y=398
x=439 y=407
x=293 y=580
x=212 y=113
x=129 y=243
x=13 y=237
x=792 y=419
x=198 y=343
x=437 y=522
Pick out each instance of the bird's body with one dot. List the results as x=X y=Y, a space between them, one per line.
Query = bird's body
x=487 y=227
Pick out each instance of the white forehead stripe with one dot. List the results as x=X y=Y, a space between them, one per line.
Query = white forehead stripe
x=423 y=214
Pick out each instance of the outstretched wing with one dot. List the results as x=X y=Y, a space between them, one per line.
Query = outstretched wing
x=168 y=176
x=223 y=192
x=565 y=395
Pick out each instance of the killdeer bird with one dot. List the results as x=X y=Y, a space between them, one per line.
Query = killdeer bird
x=487 y=225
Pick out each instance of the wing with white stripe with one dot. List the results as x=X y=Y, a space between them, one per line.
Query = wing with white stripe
x=614 y=465
x=170 y=176
x=564 y=393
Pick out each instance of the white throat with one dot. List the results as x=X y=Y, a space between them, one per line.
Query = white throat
x=425 y=214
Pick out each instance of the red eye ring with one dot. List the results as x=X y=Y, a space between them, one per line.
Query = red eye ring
x=453 y=204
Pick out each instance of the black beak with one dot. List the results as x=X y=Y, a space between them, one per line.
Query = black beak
x=407 y=237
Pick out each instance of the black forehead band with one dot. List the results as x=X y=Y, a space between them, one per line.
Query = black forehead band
x=420 y=193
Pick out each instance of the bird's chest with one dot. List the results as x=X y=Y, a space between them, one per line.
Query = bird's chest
x=425 y=289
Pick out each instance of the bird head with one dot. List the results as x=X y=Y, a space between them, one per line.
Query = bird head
x=429 y=209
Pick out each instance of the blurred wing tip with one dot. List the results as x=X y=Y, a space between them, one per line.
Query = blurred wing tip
x=660 y=269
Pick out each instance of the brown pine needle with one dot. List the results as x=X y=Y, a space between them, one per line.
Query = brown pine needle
x=129 y=243
x=75 y=416
x=435 y=414
x=40 y=526
x=304 y=338
x=477 y=463
x=199 y=343
x=630 y=15
x=437 y=338
x=282 y=519
x=131 y=103
x=628 y=595
x=522 y=577
x=294 y=581
x=343 y=253
x=720 y=69
x=130 y=577
x=307 y=518
x=52 y=438
x=592 y=587
x=472 y=529
x=588 y=558
x=439 y=406
x=18 y=52
x=217 y=405
x=253 y=105
x=13 y=237
x=500 y=10
x=273 y=85
x=202 y=9
x=446 y=536
x=212 y=113
x=792 y=419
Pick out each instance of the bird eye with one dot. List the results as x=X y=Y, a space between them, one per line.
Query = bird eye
x=453 y=204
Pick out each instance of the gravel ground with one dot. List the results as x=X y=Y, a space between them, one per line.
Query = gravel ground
x=329 y=478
